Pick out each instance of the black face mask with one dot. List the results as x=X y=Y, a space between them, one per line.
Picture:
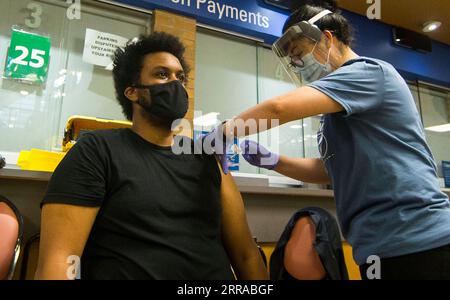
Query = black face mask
x=169 y=101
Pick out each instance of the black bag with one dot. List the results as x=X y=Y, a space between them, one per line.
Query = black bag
x=328 y=244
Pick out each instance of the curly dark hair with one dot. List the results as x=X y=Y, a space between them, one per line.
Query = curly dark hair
x=128 y=62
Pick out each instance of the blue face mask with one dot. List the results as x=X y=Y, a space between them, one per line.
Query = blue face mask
x=311 y=69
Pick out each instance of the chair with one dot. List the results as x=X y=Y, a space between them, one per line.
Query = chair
x=11 y=234
x=310 y=248
x=261 y=251
x=30 y=257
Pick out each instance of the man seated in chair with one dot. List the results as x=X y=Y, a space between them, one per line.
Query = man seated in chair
x=130 y=207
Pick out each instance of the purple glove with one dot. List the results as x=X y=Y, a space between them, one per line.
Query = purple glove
x=216 y=143
x=258 y=156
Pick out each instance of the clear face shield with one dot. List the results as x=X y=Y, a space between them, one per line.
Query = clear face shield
x=296 y=49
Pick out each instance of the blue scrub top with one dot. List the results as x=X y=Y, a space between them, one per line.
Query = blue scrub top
x=387 y=192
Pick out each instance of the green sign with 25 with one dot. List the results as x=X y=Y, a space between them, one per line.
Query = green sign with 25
x=28 y=57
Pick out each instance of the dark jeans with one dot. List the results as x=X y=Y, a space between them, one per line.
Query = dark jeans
x=428 y=265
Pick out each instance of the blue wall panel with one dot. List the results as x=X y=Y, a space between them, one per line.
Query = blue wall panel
x=372 y=38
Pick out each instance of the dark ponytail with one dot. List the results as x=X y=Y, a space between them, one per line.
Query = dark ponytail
x=335 y=22
x=325 y=4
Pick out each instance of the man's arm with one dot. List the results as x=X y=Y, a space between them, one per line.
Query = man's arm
x=310 y=170
x=64 y=232
x=239 y=244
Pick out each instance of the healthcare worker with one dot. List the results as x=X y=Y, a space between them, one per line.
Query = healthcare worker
x=372 y=143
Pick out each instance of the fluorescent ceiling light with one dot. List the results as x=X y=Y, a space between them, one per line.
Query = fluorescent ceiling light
x=431 y=26
x=440 y=128
x=207 y=120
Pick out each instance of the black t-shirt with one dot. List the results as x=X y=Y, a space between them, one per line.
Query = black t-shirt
x=160 y=213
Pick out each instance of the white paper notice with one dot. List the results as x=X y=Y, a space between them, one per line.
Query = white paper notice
x=99 y=47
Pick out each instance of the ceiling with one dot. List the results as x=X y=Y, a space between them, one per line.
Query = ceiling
x=409 y=14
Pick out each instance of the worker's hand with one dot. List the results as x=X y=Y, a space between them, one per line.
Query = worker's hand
x=216 y=142
x=258 y=156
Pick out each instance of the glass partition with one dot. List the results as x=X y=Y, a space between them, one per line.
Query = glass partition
x=226 y=81
x=33 y=116
x=89 y=89
x=232 y=75
x=27 y=118
x=435 y=108
x=273 y=81
x=235 y=74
